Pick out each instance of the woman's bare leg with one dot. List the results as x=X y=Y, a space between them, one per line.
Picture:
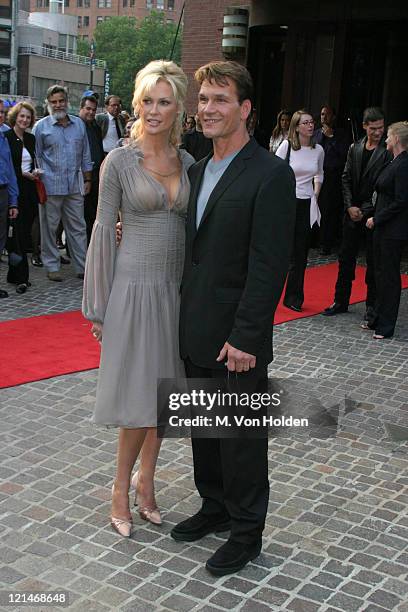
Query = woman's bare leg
x=147 y=468
x=129 y=444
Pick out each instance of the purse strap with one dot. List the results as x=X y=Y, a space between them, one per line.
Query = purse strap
x=287 y=157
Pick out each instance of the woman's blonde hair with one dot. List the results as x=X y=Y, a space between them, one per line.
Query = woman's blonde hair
x=13 y=112
x=400 y=129
x=146 y=79
x=293 y=135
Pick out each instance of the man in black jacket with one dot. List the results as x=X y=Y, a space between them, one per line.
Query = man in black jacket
x=239 y=233
x=365 y=159
x=87 y=113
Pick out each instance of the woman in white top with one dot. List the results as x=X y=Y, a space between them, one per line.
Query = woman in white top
x=306 y=161
x=280 y=131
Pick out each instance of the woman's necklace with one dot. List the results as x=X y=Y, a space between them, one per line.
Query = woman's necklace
x=160 y=174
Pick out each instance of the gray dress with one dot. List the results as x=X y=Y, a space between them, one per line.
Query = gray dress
x=133 y=289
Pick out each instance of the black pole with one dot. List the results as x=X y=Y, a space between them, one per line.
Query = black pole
x=177 y=31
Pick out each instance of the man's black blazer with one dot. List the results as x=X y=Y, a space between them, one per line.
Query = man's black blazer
x=102 y=120
x=391 y=208
x=236 y=262
x=357 y=188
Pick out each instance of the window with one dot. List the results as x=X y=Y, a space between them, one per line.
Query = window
x=160 y=5
x=5 y=8
x=107 y=18
x=66 y=3
x=79 y=3
x=170 y=5
x=79 y=21
x=149 y=4
x=46 y=3
x=5 y=47
x=104 y=3
x=62 y=40
x=86 y=21
x=99 y=19
x=39 y=4
x=131 y=2
x=124 y=3
x=87 y=3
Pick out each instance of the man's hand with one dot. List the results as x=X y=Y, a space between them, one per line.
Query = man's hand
x=96 y=331
x=13 y=213
x=327 y=130
x=118 y=233
x=370 y=223
x=87 y=187
x=355 y=213
x=237 y=361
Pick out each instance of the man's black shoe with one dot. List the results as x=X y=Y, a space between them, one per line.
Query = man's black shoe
x=232 y=557
x=199 y=525
x=3 y=294
x=334 y=309
x=37 y=261
x=293 y=307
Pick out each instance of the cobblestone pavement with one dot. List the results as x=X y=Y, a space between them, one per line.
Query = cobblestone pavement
x=337 y=529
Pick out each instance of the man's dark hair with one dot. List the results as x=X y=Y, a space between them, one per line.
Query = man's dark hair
x=89 y=99
x=54 y=89
x=373 y=113
x=221 y=71
x=109 y=98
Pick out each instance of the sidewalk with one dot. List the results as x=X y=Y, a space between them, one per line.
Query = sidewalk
x=336 y=537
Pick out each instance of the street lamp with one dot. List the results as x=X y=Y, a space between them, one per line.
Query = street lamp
x=92 y=50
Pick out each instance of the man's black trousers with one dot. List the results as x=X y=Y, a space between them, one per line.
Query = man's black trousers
x=231 y=474
x=354 y=235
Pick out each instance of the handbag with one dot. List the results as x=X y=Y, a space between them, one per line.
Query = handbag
x=39 y=185
x=41 y=191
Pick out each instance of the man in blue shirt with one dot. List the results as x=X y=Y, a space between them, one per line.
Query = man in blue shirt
x=8 y=194
x=62 y=151
x=3 y=126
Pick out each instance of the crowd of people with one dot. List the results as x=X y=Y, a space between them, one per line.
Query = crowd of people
x=189 y=282
x=50 y=181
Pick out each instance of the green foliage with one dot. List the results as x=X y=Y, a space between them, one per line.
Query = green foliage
x=83 y=47
x=128 y=44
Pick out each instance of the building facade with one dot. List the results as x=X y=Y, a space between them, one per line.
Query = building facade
x=7 y=46
x=91 y=12
x=305 y=54
x=47 y=55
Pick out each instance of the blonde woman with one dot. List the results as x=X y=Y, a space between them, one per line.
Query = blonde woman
x=306 y=160
x=390 y=225
x=131 y=293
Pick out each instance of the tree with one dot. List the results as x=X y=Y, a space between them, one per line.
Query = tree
x=127 y=45
x=82 y=47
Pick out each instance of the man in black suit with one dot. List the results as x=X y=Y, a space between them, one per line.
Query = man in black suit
x=111 y=122
x=240 y=225
x=365 y=159
x=335 y=145
x=87 y=111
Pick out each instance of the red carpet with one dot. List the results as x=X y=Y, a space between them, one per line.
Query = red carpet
x=52 y=345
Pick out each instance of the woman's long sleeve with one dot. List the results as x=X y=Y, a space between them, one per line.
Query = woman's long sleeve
x=100 y=260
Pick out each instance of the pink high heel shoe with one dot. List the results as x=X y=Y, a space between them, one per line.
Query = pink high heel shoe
x=121 y=526
x=147 y=514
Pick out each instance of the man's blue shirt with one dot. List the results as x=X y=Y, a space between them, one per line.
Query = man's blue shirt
x=62 y=152
x=7 y=174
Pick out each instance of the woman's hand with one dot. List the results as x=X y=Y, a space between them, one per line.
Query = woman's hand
x=370 y=223
x=29 y=175
x=96 y=331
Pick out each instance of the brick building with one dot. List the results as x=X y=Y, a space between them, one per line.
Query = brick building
x=92 y=12
x=343 y=52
